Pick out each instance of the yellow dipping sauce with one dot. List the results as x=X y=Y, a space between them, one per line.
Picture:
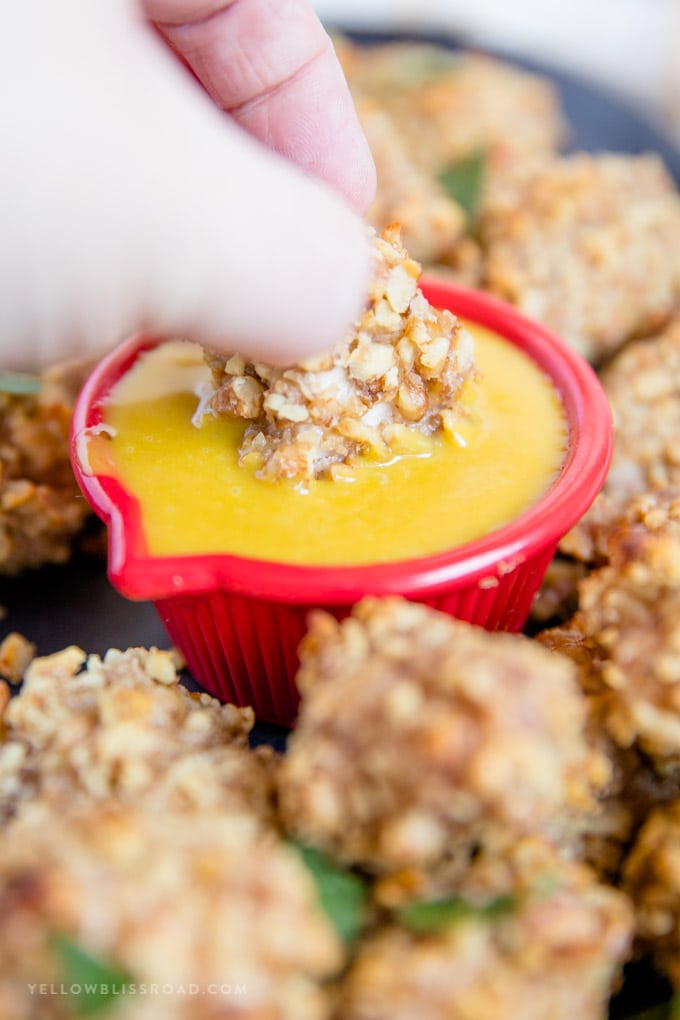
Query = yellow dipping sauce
x=195 y=498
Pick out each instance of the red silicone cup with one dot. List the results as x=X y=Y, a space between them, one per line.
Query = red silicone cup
x=238 y=621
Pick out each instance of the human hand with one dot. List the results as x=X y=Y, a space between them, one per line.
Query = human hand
x=131 y=199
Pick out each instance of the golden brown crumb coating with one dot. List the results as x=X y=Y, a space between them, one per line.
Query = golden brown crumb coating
x=588 y=245
x=421 y=738
x=552 y=950
x=396 y=376
x=206 y=914
x=651 y=876
x=123 y=727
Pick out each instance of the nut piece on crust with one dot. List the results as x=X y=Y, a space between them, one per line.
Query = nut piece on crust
x=122 y=727
x=219 y=917
x=553 y=953
x=651 y=877
x=589 y=245
x=395 y=377
x=421 y=738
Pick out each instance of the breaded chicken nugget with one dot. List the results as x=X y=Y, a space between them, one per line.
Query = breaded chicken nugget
x=625 y=639
x=201 y=914
x=394 y=377
x=625 y=642
x=552 y=950
x=123 y=727
x=421 y=738
x=588 y=245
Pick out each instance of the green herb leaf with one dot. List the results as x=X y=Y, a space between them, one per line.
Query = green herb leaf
x=93 y=984
x=464 y=181
x=19 y=383
x=342 y=894
x=437 y=915
x=419 y=65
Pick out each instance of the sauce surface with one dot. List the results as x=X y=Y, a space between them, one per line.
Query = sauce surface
x=195 y=498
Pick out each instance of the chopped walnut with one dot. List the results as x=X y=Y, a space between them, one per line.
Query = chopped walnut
x=403 y=364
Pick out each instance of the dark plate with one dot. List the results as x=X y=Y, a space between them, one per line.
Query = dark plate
x=75 y=604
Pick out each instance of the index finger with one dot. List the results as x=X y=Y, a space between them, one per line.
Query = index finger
x=272 y=67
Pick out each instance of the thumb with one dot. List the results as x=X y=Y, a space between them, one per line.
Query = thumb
x=129 y=201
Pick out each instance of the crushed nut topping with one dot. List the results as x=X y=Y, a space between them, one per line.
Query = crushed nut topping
x=398 y=372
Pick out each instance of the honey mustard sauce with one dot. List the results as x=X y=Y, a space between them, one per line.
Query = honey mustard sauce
x=196 y=498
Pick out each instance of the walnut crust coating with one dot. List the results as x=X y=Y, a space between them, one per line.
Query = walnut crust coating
x=122 y=727
x=588 y=245
x=395 y=377
x=421 y=738
x=651 y=877
x=204 y=901
x=553 y=955
x=612 y=530
x=625 y=637
x=41 y=507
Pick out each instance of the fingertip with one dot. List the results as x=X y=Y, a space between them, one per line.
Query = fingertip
x=361 y=184
x=280 y=263
x=334 y=290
